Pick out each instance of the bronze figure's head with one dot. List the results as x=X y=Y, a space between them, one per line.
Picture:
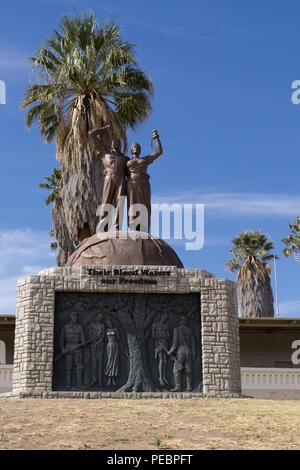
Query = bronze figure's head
x=116 y=145
x=136 y=150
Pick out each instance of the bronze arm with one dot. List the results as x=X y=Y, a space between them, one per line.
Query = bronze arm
x=99 y=142
x=159 y=149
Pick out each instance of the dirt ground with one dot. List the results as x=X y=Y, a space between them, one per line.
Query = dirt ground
x=75 y=424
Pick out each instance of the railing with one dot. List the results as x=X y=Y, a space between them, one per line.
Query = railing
x=265 y=378
x=252 y=378
x=6 y=377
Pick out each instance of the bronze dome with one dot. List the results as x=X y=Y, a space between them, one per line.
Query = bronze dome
x=124 y=248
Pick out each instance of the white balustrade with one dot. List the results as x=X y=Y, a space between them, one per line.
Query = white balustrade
x=258 y=378
x=252 y=378
x=6 y=372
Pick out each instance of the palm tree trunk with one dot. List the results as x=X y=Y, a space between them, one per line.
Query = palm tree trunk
x=81 y=193
x=256 y=297
x=61 y=233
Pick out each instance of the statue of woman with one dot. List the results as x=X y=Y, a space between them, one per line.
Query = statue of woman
x=138 y=186
x=112 y=364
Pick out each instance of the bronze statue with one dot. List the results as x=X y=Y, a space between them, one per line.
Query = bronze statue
x=114 y=162
x=71 y=339
x=184 y=346
x=138 y=186
x=97 y=334
x=160 y=334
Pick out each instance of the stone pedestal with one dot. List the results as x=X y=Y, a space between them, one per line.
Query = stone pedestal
x=45 y=301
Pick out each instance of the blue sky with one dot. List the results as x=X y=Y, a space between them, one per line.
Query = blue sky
x=222 y=72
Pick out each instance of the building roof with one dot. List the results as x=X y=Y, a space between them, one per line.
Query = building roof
x=269 y=325
x=275 y=322
x=7 y=319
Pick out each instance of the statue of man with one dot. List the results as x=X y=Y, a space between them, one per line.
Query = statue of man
x=115 y=172
x=160 y=334
x=184 y=346
x=71 y=336
x=97 y=334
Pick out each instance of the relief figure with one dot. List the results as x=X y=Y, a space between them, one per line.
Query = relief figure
x=72 y=339
x=97 y=335
x=183 y=350
x=112 y=349
x=160 y=334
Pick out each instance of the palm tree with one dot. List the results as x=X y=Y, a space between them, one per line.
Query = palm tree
x=59 y=228
x=52 y=183
x=85 y=77
x=251 y=251
x=292 y=241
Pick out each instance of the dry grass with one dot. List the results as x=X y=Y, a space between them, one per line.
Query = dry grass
x=149 y=424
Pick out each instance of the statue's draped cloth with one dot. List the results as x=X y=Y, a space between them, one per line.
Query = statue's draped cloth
x=138 y=186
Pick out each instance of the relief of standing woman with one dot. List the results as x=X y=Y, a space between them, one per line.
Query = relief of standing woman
x=112 y=350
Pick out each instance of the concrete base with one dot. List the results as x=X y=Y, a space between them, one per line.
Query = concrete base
x=116 y=395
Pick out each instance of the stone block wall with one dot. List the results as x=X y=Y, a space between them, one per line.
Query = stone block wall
x=33 y=360
x=220 y=337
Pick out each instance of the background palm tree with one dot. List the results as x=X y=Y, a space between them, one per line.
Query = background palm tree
x=59 y=228
x=52 y=183
x=251 y=251
x=292 y=241
x=85 y=77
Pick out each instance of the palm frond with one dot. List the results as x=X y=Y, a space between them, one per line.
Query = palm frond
x=292 y=241
x=83 y=75
x=52 y=184
x=251 y=251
